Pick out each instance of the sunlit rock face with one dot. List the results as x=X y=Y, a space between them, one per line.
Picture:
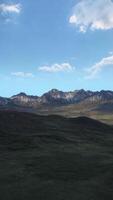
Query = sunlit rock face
x=56 y=97
x=24 y=99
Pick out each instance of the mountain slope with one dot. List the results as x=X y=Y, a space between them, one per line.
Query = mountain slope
x=56 y=97
x=98 y=105
x=52 y=157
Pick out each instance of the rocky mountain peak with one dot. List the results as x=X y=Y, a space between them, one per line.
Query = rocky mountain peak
x=20 y=95
x=54 y=91
x=57 y=97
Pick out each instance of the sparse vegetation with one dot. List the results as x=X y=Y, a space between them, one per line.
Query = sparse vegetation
x=52 y=157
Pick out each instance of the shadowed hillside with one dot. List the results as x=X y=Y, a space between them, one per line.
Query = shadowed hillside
x=97 y=105
x=52 y=157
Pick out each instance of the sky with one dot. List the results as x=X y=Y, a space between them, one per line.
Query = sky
x=64 y=44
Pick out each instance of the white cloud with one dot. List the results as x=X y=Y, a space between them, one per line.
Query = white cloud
x=111 y=52
x=22 y=74
x=73 y=19
x=93 y=71
x=8 y=12
x=64 y=67
x=93 y=15
x=10 y=8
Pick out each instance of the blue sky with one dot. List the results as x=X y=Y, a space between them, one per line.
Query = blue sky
x=48 y=44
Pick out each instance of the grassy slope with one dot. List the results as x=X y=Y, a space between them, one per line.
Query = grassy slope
x=102 y=112
x=95 y=111
x=52 y=157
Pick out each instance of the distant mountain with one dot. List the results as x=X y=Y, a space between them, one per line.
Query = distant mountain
x=23 y=99
x=71 y=104
x=56 y=97
x=4 y=101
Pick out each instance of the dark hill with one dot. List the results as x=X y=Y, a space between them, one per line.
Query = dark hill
x=52 y=157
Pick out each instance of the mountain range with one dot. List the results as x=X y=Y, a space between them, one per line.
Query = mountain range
x=58 y=98
x=95 y=104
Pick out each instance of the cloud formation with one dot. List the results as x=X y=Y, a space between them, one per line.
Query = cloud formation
x=93 y=71
x=93 y=15
x=64 y=67
x=22 y=74
x=7 y=11
x=10 y=8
